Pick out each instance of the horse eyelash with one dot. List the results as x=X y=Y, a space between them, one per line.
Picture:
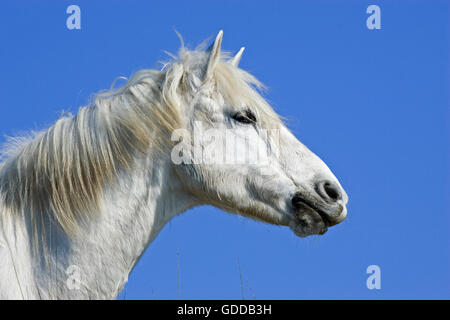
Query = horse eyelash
x=245 y=116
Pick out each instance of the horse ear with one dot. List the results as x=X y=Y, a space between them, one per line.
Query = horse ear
x=237 y=58
x=214 y=56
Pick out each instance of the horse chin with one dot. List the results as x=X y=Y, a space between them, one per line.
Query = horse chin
x=309 y=222
x=304 y=229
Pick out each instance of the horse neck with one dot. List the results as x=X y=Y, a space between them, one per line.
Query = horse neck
x=96 y=263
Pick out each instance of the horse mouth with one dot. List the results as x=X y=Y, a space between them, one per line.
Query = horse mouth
x=321 y=213
x=310 y=219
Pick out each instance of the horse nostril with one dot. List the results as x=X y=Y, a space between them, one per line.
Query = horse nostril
x=329 y=191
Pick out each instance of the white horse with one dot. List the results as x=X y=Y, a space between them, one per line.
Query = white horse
x=81 y=201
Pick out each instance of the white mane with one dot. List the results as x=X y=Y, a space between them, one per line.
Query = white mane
x=62 y=171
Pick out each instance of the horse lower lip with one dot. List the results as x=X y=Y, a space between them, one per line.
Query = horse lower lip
x=322 y=214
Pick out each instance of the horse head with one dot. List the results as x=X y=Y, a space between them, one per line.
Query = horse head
x=235 y=153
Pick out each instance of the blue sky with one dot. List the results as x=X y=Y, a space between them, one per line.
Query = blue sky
x=374 y=104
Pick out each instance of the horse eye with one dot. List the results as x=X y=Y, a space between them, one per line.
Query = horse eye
x=246 y=117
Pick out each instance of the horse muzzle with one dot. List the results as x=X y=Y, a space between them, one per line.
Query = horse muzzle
x=314 y=212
